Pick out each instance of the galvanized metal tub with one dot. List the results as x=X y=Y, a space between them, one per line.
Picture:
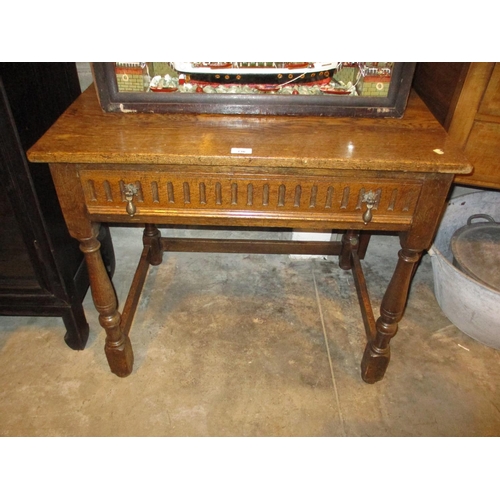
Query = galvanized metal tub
x=471 y=306
x=476 y=250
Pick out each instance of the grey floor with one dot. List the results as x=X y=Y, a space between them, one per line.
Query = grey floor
x=250 y=345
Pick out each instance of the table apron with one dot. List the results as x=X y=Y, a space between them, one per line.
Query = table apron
x=181 y=197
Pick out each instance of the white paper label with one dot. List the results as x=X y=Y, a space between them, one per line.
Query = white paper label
x=241 y=151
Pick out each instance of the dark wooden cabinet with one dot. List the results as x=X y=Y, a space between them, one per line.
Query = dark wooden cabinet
x=42 y=271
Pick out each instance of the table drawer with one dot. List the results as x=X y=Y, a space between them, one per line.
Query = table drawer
x=339 y=198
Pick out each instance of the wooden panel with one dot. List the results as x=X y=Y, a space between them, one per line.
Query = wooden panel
x=483 y=151
x=490 y=104
x=276 y=197
x=472 y=116
x=439 y=84
x=469 y=101
x=16 y=269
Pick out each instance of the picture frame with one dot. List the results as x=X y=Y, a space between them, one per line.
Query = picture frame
x=112 y=98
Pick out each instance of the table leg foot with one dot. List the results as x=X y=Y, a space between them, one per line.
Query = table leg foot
x=77 y=328
x=374 y=363
x=120 y=357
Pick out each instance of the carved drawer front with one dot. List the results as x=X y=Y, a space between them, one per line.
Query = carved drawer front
x=335 y=198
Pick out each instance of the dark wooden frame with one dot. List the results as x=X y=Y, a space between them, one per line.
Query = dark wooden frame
x=322 y=105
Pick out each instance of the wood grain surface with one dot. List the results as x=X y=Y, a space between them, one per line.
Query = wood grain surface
x=85 y=134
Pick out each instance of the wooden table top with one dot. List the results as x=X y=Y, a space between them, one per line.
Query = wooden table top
x=414 y=143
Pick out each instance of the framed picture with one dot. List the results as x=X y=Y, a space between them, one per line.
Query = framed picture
x=362 y=89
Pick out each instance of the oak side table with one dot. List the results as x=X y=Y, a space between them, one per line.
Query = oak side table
x=355 y=175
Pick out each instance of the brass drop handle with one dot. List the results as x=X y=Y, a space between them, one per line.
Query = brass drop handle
x=130 y=191
x=370 y=199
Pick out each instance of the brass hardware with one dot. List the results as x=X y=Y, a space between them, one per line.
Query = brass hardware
x=370 y=199
x=130 y=191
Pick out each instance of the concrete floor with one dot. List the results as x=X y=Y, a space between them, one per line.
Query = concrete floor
x=250 y=345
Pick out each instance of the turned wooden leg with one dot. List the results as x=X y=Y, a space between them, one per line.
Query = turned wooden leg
x=117 y=347
x=152 y=238
x=107 y=250
x=377 y=352
x=364 y=240
x=350 y=240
